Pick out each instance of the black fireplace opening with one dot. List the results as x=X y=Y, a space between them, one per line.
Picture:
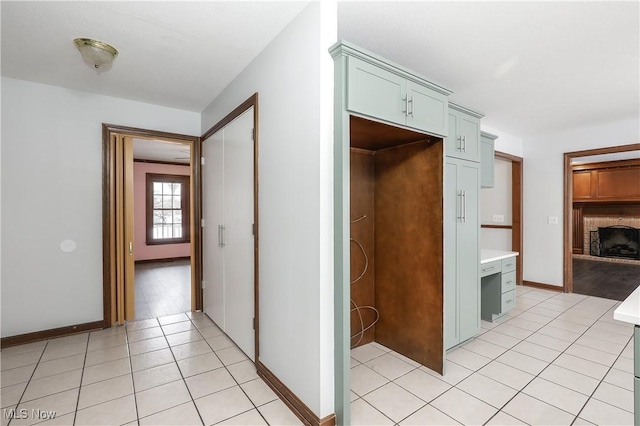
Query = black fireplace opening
x=616 y=241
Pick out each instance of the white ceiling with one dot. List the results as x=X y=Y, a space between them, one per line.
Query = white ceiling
x=529 y=66
x=157 y=150
x=177 y=54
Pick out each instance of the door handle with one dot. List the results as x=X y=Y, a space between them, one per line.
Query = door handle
x=130 y=248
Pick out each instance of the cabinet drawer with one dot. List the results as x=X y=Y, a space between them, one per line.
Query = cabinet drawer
x=508 y=301
x=508 y=281
x=490 y=268
x=509 y=264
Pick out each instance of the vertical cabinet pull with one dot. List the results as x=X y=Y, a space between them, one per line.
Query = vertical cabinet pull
x=406 y=105
x=219 y=235
x=224 y=231
x=464 y=206
x=459 y=207
x=130 y=248
x=413 y=106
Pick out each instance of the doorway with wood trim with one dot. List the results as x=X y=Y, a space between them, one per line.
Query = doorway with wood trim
x=121 y=242
x=506 y=232
x=574 y=233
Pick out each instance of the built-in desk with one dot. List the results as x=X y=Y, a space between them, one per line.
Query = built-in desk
x=498 y=283
x=629 y=311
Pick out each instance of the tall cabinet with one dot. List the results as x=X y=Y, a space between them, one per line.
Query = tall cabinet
x=462 y=227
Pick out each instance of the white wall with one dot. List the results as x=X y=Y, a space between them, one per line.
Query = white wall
x=293 y=79
x=543 y=190
x=497 y=201
x=52 y=191
x=507 y=143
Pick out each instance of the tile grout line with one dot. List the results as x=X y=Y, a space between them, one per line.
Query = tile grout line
x=29 y=381
x=179 y=370
x=229 y=372
x=133 y=382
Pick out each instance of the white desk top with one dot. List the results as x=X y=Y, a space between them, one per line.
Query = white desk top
x=487 y=255
x=629 y=310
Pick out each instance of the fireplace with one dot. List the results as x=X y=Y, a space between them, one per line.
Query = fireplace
x=616 y=241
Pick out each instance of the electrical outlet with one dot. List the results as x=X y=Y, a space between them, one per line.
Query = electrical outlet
x=498 y=218
x=552 y=220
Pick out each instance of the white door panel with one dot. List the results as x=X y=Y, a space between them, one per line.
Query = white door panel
x=238 y=206
x=228 y=201
x=212 y=213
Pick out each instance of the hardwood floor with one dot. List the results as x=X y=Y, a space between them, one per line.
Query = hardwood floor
x=603 y=279
x=162 y=288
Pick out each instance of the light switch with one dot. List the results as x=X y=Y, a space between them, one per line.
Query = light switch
x=552 y=220
x=498 y=218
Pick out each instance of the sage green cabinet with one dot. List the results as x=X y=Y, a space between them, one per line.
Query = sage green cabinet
x=487 y=159
x=462 y=251
x=498 y=285
x=383 y=92
x=463 y=138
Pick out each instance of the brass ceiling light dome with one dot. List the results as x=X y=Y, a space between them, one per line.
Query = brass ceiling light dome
x=96 y=54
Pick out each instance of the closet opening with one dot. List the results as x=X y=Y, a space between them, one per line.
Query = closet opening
x=396 y=240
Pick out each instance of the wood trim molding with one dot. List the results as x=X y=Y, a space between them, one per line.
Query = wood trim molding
x=497 y=226
x=21 y=339
x=163 y=260
x=504 y=156
x=169 y=163
x=542 y=286
x=567 y=279
x=298 y=407
x=108 y=203
x=607 y=165
x=517 y=170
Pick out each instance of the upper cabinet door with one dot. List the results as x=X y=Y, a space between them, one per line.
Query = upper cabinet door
x=427 y=109
x=376 y=92
x=463 y=140
x=469 y=128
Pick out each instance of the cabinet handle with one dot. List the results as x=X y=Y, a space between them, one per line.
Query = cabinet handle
x=488 y=269
x=413 y=106
x=509 y=301
x=219 y=235
x=464 y=144
x=459 y=206
x=509 y=282
x=130 y=248
x=406 y=105
x=460 y=143
x=224 y=231
x=464 y=206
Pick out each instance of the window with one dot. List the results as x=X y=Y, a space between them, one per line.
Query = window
x=167 y=209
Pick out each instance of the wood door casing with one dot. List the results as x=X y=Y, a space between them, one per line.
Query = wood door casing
x=409 y=251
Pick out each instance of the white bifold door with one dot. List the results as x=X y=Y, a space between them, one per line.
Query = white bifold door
x=228 y=234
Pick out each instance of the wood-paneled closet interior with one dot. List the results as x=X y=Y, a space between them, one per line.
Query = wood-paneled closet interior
x=397 y=240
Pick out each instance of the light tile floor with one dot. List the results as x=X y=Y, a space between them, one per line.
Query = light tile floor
x=555 y=359
x=162 y=288
x=173 y=370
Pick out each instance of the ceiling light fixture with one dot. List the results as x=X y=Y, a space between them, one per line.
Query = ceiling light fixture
x=96 y=54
